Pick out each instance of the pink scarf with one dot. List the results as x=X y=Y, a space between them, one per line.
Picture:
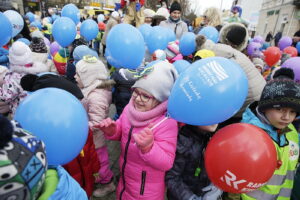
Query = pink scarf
x=139 y=119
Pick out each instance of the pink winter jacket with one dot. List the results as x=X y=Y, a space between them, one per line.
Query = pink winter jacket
x=143 y=174
x=97 y=105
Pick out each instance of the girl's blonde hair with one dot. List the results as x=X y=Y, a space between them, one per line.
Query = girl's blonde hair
x=213 y=16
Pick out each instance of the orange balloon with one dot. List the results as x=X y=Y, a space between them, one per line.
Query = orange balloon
x=272 y=55
x=240 y=158
x=291 y=50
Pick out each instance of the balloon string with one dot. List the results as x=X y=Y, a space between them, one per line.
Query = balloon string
x=161 y=121
x=66 y=54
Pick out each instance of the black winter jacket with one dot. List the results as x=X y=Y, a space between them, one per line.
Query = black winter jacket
x=122 y=93
x=188 y=175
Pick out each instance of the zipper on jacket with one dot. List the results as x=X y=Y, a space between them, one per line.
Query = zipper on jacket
x=125 y=160
x=143 y=183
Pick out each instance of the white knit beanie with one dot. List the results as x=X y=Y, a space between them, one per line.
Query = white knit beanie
x=163 y=12
x=89 y=71
x=149 y=13
x=20 y=54
x=160 y=81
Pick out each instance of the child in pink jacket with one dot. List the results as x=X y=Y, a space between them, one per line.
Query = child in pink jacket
x=92 y=79
x=148 y=137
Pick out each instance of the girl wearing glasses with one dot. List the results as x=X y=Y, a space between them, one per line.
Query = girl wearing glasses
x=148 y=138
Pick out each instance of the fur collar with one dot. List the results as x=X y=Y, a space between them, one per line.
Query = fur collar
x=224 y=32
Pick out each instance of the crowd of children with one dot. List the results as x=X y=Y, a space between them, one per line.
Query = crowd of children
x=160 y=158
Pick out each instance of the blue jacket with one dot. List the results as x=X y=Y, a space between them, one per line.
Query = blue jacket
x=3 y=57
x=250 y=118
x=67 y=188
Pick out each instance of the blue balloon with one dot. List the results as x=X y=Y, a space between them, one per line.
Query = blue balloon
x=126 y=45
x=83 y=50
x=210 y=91
x=210 y=33
x=145 y=30
x=38 y=24
x=59 y=119
x=113 y=62
x=89 y=29
x=181 y=65
x=16 y=21
x=298 y=47
x=6 y=30
x=187 y=44
x=50 y=20
x=24 y=40
x=71 y=11
x=64 y=31
x=158 y=39
x=54 y=17
x=30 y=16
x=265 y=46
x=170 y=34
x=190 y=28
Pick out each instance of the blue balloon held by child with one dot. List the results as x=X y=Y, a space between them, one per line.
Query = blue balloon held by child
x=89 y=29
x=210 y=33
x=126 y=49
x=64 y=31
x=210 y=91
x=30 y=16
x=187 y=44
x=7 y=29
x=72 y=12
x=181 y=65
x=59 y=119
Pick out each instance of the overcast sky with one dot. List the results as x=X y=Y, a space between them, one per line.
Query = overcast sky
x=201 y=5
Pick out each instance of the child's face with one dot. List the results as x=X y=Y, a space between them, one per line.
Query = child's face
x=143 y=101
x=280 y=117
x=148 y=20
x=210 y=128
x=79 y=82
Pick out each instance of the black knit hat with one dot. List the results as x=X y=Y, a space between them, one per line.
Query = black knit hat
x=236 y=35
x=175 y=6
x=38 y=45
x=282 y=91
x=31 y=82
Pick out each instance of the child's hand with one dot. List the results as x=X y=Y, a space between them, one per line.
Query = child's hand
x=212 y=192
x=108 y=126
x=144 y=139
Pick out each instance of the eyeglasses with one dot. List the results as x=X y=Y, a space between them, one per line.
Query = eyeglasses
x=144 y=97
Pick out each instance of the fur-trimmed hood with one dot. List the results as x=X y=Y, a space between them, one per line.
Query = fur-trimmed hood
x=36 y=68
x=226 y=29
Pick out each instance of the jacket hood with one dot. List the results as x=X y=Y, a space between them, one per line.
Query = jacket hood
x=226 y=29
x=249 y=117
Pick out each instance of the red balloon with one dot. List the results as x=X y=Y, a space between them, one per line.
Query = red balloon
x=291 y=50
x=272 y=55
x=240 y=158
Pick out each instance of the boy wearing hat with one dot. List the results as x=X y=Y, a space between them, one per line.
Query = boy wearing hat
x=24 y=169
x=278 y=107
x=174 y=22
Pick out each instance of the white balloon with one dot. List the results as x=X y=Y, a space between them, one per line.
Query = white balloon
x=16 y=21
